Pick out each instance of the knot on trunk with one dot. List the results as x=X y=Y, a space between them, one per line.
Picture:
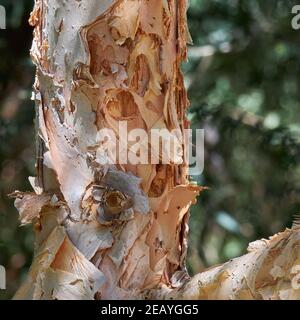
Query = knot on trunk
x=112 y=204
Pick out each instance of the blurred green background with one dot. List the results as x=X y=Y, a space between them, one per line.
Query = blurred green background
x=243 y=79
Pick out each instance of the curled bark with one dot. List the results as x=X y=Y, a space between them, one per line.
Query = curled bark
x=270 y=271
x=120 y=231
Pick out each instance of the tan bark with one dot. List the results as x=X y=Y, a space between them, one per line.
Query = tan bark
x=120 y=232
x=270 y=271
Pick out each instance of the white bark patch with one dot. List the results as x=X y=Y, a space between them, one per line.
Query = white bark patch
x=69 y=163
x=90 y=237
x=63 y=22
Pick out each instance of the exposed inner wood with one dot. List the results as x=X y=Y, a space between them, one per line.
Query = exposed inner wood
x=121 y=233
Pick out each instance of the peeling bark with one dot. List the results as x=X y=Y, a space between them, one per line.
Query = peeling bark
x=270 y=271
x=120 y=231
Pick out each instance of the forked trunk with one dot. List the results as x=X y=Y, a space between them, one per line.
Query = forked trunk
x=119 y=231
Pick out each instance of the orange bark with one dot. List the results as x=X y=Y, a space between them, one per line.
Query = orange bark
x=99 y=63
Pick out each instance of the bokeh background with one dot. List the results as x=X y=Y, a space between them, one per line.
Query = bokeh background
x=243 y=82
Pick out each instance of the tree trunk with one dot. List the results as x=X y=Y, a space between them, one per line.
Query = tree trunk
x=119 y=231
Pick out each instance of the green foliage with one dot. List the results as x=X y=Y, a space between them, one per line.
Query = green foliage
x=243 y=80
x=16 y=139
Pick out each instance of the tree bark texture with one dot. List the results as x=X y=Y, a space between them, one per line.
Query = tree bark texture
x=120 y=231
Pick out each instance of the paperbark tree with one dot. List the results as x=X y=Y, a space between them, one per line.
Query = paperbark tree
x=120 y=231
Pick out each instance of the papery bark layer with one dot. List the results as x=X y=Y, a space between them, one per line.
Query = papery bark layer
x=99 y=63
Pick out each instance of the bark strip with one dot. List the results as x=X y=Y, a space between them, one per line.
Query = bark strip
x=120 y=231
